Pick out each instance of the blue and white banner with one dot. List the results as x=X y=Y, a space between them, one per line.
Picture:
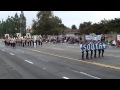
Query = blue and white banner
x=94 y=46
x=90 y=37
x=118 y=37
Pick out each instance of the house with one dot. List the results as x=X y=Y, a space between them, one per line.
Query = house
x=29 y=31
x=71 y=32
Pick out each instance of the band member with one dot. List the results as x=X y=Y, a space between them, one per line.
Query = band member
x=23 y=42
x=95 y=49
x=11 y=42
x=82 y=49
x=19 y=42
x=87 y=50
x=33 y=41
x=14 y=41
x=30 y=41
x=41 y=41
x=103 y=48
x=99 y=49
x=92 y=48
x=8 y=42
x=36 y=42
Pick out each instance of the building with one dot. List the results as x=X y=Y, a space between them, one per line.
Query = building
x=72 y=32
x=29 y=30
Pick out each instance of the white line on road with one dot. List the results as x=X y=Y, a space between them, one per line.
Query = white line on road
x=52 y=45
x=45 y=60
x=3 y=50
x=44 y=68
x=86 y=74
x=90 y=75
x=72 y=46
x=29 y=61
x=65 y=77
x=11 y=53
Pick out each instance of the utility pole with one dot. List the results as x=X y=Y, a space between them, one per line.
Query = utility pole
x=20 y=24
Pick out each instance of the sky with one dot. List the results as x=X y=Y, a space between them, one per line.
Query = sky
x=68 y=17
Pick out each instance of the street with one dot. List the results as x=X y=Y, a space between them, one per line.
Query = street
x=56 y=61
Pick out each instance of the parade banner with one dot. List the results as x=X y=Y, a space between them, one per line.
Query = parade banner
x=18 y=35
x=99 y=37
x=6 y=35
x=94 y=46
x=93 y=37
x=118 y=37
x=28 y=35
x=88 y=37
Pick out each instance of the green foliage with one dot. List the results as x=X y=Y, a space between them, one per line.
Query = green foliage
x=12 y=25
x=73 y=27
x=48 y=24
x=104 y=26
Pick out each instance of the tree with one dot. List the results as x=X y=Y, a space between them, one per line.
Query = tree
x=47 y=24
x=17 y=23
x=73 y=27
x=12 y=25
x=22 y=23
x=85 y=27
x=35 y=27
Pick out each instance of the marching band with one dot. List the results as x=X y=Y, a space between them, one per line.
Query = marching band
x=13 y=42
x=93 y=46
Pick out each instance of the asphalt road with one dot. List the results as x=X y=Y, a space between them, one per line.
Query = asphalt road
x=56 y=61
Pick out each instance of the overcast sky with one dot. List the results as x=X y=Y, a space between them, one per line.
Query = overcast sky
x=68 y=17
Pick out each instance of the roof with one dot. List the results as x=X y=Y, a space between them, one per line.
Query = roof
x=71 y=31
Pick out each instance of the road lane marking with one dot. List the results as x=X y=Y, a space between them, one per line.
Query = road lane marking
x=29 y=61
x=43 y=68
x=88 y=62
x=89 y=75
x=86 y=74
x=11 y=53
x=72 y=47
x=52 y=45
x=45 y=60
x=3 y=50
x=66 y=78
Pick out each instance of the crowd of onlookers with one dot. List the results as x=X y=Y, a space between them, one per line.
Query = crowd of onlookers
x=114 y=43
x=75 y=40
x=69 y=40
